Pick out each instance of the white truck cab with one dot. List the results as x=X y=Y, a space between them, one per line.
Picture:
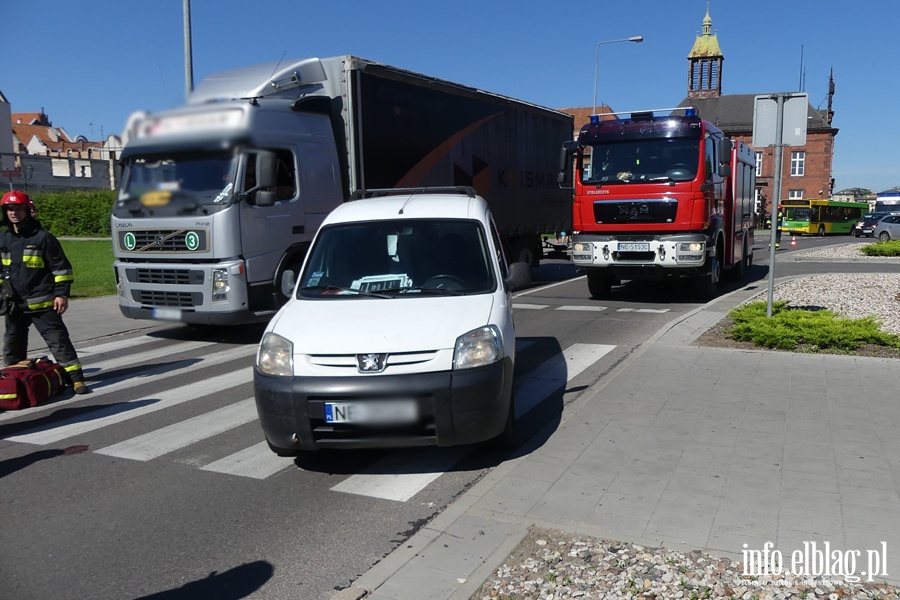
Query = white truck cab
x=399 y=331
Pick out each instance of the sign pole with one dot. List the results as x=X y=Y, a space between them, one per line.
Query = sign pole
x=776 y=199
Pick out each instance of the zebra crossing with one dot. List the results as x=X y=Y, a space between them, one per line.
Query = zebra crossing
x=588 y=308
x=117 y=372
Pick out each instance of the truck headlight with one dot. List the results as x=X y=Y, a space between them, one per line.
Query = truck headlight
x=220 y=287
x=581 y=247
x=477 y=348
x=275 y=355
x=691 y=247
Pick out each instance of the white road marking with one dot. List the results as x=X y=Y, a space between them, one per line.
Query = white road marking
x=529 y=306
x=583 y=308
x=398 y=478
x=116 y=413
x=256 y=462
x=644 y=310
x=132 y=380
x=555 y=372
x=184 y=433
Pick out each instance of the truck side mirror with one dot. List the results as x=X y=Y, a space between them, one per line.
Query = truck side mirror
x=266 y=177
x=565 y=163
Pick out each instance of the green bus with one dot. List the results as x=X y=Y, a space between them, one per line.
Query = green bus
x=821 y=217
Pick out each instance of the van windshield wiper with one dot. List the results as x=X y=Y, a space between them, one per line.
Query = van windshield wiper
x=324 y=289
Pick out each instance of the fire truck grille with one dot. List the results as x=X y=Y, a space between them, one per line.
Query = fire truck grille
x=635 y=211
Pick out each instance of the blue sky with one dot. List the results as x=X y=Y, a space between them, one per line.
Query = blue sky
x=89 y=64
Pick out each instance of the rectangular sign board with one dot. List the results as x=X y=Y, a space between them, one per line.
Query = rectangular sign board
x=794 y=118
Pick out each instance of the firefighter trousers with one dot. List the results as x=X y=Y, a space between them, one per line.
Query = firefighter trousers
x=50 y=325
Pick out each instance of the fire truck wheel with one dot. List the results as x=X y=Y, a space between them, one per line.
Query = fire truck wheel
x=708 y=284
x=599 y=283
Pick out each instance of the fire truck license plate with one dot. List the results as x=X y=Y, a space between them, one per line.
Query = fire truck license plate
x=634 y=246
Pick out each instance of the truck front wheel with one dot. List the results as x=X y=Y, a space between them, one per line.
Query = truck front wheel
x=599 y=283
x=708 y=284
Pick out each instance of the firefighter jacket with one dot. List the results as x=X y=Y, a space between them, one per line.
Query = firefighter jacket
x=34 y=262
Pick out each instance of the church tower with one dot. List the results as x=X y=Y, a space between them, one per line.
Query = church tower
x=705 y=64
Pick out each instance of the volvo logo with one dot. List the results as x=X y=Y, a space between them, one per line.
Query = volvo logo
x=371 y=363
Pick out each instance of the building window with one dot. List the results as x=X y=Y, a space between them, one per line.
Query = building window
x=798 y=163
x=795 y=194
x=758 y=164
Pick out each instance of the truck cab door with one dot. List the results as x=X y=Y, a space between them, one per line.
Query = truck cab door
x=271 y=215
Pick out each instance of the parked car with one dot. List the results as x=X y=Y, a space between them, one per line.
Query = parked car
x=888 y=228
x=866 y=225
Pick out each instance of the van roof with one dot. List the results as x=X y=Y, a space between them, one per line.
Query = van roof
x=410 y=206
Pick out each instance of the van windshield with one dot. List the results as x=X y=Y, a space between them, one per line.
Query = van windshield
x=398 y=258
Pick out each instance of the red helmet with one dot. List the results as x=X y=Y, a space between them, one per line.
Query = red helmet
x=16 y=198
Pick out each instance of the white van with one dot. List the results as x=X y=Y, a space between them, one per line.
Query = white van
x=399 y=332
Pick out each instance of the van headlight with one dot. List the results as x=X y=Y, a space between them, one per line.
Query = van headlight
x=275 y=355
x=477 y=348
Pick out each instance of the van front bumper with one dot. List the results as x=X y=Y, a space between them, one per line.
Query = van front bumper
x=454 y=407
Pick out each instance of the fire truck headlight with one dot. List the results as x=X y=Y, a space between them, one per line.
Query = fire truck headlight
x=691 y=247
x=581 y=247
x=220 y=287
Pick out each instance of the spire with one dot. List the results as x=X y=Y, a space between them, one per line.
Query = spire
x=705 y=63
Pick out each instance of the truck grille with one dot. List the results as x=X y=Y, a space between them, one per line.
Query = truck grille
x=173 y=299
x=163 y=240
x=635 y=211
x=165 y=276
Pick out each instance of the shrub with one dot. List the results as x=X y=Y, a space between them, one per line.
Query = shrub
x=789 y=328
x=75 y=213
x=891 y=248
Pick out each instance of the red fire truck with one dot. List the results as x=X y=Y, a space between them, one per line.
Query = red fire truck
x=659 y=196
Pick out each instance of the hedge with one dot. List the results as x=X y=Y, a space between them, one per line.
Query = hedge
x=75 y=213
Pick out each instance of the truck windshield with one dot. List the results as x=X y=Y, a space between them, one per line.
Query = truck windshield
x=398 y=258
x=178 y=183
x=643 y=160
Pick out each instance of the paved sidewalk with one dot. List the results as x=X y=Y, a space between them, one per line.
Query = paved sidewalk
x=688 y=448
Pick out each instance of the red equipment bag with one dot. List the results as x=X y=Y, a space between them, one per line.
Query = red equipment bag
x=30 y=382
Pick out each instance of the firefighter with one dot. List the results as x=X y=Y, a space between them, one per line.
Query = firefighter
x=41 y=276
x=778 y=231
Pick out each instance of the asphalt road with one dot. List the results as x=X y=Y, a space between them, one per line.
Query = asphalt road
x=159 y=484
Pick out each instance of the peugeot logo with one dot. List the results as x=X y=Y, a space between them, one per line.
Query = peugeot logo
x=371 y=363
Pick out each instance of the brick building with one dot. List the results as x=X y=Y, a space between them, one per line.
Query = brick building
x=806 y=170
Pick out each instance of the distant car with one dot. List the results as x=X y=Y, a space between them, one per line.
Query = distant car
x=866 y=225
x=888 y=228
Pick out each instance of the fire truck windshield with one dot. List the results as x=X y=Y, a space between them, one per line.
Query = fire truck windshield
x=641 y=160
x=181 y=183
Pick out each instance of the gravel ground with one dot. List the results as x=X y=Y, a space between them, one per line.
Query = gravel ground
x=853 y=295
x=558 y=565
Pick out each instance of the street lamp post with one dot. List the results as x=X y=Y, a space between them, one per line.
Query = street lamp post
x=635 y=38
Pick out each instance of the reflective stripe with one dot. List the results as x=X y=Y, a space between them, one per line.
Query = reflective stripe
x=40 y=305
x=60 y=278
x=75 y=367
x=6 y=260
x=8 y=396
x=33 y=262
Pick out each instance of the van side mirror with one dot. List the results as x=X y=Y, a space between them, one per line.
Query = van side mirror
x=519 y=276
x=288 y=281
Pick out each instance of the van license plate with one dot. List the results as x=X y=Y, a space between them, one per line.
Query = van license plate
x=388 y=412
x=634 y=246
